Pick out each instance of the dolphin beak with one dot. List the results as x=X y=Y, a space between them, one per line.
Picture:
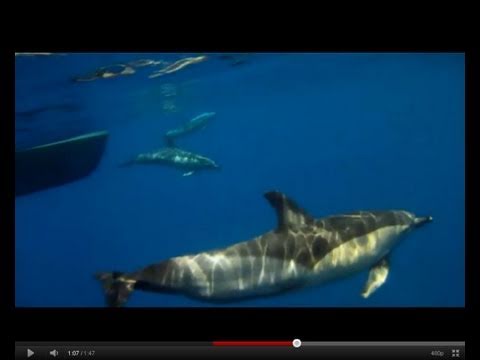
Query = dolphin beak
x=422 y=220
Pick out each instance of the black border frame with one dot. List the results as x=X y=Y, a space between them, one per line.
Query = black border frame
x=241 y=323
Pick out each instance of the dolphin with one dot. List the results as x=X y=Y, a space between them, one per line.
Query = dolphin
x=300 y=251
x=197 y=123
x=106 y=72
x=178 y=65
x=184 y=160
x=144 y=62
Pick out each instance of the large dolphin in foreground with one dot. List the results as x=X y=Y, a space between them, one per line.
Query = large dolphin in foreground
x=300 y=251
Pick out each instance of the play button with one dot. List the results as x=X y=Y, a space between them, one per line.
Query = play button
x=29 y=353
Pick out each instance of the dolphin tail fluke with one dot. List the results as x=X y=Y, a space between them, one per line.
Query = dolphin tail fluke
x=117 y=287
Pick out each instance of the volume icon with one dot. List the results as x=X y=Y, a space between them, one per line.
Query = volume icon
x=54 y=353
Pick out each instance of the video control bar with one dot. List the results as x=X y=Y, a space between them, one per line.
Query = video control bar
x=290 y=349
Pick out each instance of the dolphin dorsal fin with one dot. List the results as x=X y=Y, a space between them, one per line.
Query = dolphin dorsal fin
x=289 y=214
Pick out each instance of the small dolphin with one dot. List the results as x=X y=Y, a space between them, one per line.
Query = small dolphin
x=178 y=65
x=145 y=62
x=300 y=251
x=186 y=161
x=197 y=123
x=107 y=72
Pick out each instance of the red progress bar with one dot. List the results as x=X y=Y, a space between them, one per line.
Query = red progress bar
x=252 y=343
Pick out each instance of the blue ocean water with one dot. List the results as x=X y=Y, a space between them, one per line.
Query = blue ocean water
x=335 y=132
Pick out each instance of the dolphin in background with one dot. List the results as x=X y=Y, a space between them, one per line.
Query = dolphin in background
x=186 y=161
x=176 y=157
x=178 y=65
x=195 y=124
x=106 y=72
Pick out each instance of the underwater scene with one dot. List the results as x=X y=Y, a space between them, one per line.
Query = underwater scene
x=239 y=180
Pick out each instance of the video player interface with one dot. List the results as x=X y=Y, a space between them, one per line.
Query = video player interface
x=295 y=349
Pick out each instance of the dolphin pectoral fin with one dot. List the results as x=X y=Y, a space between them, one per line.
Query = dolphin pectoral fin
x=188 y=173
x=377 y=276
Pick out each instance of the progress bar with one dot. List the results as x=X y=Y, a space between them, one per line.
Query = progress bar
x=240 y=349
x=252 y=343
